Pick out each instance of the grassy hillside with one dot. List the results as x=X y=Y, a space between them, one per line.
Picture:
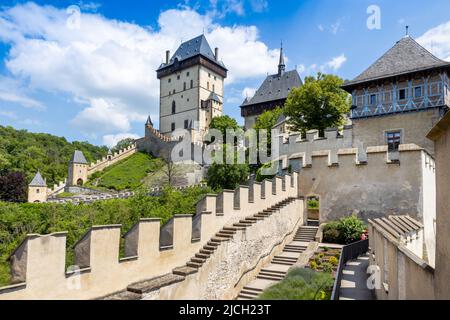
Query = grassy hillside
x=27 y=152
x=127 y=174
x=18 y=220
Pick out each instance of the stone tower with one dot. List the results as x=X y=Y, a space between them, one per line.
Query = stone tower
x=37 y=189
x=191 y=88
x=78 y=170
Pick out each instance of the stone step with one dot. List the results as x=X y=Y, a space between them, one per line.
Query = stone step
x=247 y=222
x=184 y=271
x=249 y=293
x=293 y=251
x=218 y=239
x=231 y=229
x=242 y=225
x=224 y=235
x=268 y=278
x=194 y=265
x=284 y=263
x=282 y=273
x=213 y=244
x=285 y=259
x=245 y=297
x=257 y=290
x=202 y=256
x=225 y=231
x=198 y=260
x=209 y=248
x=270 y=275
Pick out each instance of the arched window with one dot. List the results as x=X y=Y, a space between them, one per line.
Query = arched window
x=174 y=107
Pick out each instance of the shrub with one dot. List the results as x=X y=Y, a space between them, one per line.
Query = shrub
x=313 y=204
x=313 y=265
x=333 y=261
x=327 y=267
x=344 y=231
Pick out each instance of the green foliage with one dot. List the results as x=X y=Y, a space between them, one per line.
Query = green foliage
x=126 y=174
x=122 y=144
x=319 y=104
x=227 y=176
x=268 y=119
x=260 y=177
x=301 y=284
x=223 y=123
x=313 y=265
x=18 y=220
x=313 y=204
x=344 y=231
x=333 y=261
x=327 y=267
x=26 y=152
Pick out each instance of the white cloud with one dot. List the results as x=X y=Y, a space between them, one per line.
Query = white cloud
x=321 y=28
x=111 y=140
x=110 y=65
x=248 y=92
x=8 y=114
x=437 y=41
x=337 y=62
x=335 y=27
x=328 y=67
x=259 y=5
x=12 y=91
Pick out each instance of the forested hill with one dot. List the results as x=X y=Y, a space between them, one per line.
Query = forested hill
x=27 y=152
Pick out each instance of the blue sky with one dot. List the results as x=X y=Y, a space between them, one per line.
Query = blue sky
x=92 y=78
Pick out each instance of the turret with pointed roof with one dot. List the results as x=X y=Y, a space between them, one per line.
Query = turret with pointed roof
x=38 y=181
x=37 y=189
x=272 y=93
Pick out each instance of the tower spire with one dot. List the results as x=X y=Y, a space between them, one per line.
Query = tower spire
x=281 y=65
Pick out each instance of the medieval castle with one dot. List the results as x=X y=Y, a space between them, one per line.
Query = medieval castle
x=390 y=160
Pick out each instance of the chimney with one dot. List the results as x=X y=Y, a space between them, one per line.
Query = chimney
x=216 y=54
x=167 y=56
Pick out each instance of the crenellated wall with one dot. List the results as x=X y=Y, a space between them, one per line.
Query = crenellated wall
x=109 y=160
x=38 y=264
x=371 y=183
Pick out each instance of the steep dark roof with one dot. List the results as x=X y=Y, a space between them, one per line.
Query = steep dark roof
x=78 y=157
x=404 y=57
x=38 y=181
x=275 y=87
x=214 y=97
x=192 y=48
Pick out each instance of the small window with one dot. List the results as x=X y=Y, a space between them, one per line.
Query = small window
x=209 y=75
x=174 y=107
x=173 y=126
x=184 y=86
x=178 y=77
x=417 y=92
x=186 y=124
x=187 y=99
x=37 y=190
x=215 y=78
x=393 y=140
x=174 y=91
x=207 y=85
x=192 y=84
x=373 y=99
x=170 y=80
x=214 y=88
x=402 y=94
x=187 y=74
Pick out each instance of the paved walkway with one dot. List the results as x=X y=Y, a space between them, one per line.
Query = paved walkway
x=354 y=280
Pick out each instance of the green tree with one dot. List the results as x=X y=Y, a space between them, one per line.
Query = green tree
x=223 y=123
x=319 y=104
x=227 y=176
x=268 y=119
x=122 y=144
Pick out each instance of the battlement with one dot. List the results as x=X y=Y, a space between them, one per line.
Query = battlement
x=111 y=159
x=38 y=263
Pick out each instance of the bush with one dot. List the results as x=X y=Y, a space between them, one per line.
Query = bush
x=344 y=231
x=301 y=284
x=313 y=265
x=333 y=261
x=313 y=204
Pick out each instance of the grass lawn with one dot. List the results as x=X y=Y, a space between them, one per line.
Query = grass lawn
x=127 y=174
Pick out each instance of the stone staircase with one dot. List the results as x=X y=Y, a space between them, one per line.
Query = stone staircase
x=137 y=290
x=280 y=264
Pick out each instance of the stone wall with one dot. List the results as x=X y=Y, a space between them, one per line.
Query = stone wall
x=402 y=274
x=368 y=184
x=220 y=277
x=109 y=160
x=38 y=263
x=441 y=137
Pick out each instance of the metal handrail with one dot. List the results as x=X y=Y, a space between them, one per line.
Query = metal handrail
x=349 y=252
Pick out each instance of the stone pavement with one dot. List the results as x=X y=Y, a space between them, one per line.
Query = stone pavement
x=354 y=280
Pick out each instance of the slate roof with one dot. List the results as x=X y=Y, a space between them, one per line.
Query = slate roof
x=192 y=48
x=214 y=97
x=275 y=87
x=38 y=181
x=78 y=157
x=404 y=57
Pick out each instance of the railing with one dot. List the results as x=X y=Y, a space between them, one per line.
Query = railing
x=349 y=252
